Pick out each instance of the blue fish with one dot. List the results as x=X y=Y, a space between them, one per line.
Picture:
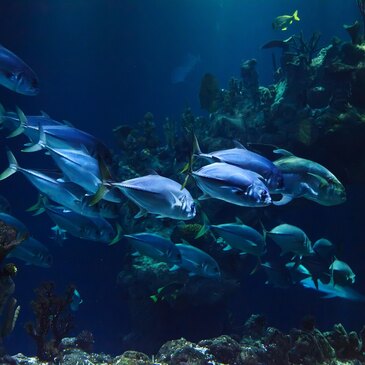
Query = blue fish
x=63 y=136
x=78 y=166
x=245 y=159
x=334 y=291
x=75 y=300
x=32 y=252
x=66 y=194
x=198 y=262
x=232 y=184
x=87 y=228
x=16 y=75
x=155 y=246
x=158 y=195
x=241 y=237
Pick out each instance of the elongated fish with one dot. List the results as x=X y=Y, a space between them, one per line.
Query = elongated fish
x=232 y=184
x=16 y=75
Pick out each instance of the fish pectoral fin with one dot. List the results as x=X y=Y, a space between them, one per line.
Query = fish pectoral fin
x=177 y=202
x=284 y=28
x=285 y=199
x=174 y=268
x=204 y=197
x=227 y=248
x=142 y=212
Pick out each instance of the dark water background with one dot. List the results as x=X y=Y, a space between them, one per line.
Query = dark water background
x=106 y=62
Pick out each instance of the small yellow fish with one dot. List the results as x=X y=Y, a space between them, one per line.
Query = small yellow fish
x=281 y=22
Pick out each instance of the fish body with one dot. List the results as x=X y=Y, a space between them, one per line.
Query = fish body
x=83 y=227
x=198 y=262
x=75 y=300
x=156 y=247
x=342 y=273
x=232 y=184
x=277 y=276
x=32 y=252
x=168 y=292
x=16 y=75
x=311 y=187
x=332 y=291
x=21 y=229
x=64 y=194
x=248 y=160
x=241 y=237
x=291 y=239
x=159 y=195
x=283 y=21
x=79 y=167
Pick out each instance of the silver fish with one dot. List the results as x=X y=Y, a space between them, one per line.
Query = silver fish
x=232 y=184
x=158 y=195
x=245 y=159
x=78 y=165
x=241 y=237
x=309 y=179
x=61 y=193
x=198 y=262
x=156 y=247
x=342 y=273
x=16 y=75
x=32 y=252
x=88 y=228
x=291 y=239
x=334 y=291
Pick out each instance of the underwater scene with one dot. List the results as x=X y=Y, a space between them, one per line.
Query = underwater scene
x=182 y=182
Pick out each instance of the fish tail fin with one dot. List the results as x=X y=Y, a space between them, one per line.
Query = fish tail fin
x=295 y=16
x=118 y=236
x=257 y=267
x=206 y=226
x=264 y=230
x=40 y=144
x=196 y=147
x=2 y=113
x=99 y=195
x=154 y=298
x=13 y=166
x=22 y=124
x=38 y=207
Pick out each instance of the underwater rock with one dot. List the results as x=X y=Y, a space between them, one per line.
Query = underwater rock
x=224 y=349
x=255 y=326
x=132 y=358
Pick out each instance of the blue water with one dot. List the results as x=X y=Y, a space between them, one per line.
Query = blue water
x=102 y=63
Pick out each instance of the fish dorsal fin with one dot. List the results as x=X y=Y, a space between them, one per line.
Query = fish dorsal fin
x=44 y=114
x=185 y=242
x=238 y=144
x=118 y=235
x=152 y=172
x=238 y=220
x=281 y=151
x=69 y=124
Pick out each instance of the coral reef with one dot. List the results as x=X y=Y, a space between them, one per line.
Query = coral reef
x=265 y=345
x=53 y=320
x=9 y=308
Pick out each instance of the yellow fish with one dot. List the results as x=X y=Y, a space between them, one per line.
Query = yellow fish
x=281 y=22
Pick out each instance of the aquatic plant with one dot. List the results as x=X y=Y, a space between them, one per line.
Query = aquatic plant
x=53 y=319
